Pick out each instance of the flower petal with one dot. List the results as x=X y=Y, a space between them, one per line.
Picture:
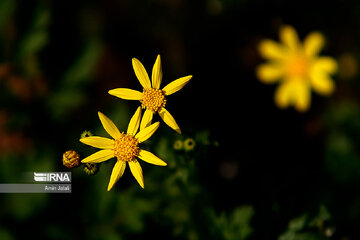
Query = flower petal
x=136 y=171
x=99 y=156
x=134 y=122
x=293 y=92
x=269 y=73
x=141 y=73
x=303 y=97
x=289 y=37
x=156 y=73
x=109 y=126
x=98 y=142
x=126 y=93
x=326 y=64
x=147 y=132
x=169 y=120
x=146 y=119
x=313 y=44
x=176 y=85
x=151 y=158
x=322 y=83
x=116 y=173
x=272 y=50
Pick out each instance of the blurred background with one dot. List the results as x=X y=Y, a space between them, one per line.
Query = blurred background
x=242 y=169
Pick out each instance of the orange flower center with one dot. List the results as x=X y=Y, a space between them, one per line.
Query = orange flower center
x=153 y=99
x=297 y=67
x=126 y=147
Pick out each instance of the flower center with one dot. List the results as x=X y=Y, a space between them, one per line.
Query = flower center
x=297 y=67
x=126 y=147
x=153 y=99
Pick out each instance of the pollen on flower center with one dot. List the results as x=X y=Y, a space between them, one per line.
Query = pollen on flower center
x=153 y=99
x=297 y=66
x=126 y=147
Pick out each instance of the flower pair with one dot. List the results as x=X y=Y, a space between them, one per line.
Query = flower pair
x=125 y=146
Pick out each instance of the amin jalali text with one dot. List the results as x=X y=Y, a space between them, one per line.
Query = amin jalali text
x=55 y=188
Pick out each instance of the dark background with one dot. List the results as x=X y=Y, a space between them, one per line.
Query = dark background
x=258 y=167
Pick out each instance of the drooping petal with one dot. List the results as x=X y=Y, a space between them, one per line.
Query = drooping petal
x=326 y=64
x=109 y=126
x=322 y=83
x=151 y=158
x=313 y=44
x=272 y=50
x=134 y=122
x=146 y=119
x=169 y=120
x=156 y=73
x=303 y=96
x=141 y=73
x=284 y=94
x=269 y=73
x=99 y=156
x=98 y=142
x=126 y=93
x=176 y=85
x=289 y=37
x=116 y=173
x=136 y=171
x=147 y=132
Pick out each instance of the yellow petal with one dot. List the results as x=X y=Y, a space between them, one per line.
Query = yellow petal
x=289 y=37
x=116 y=173
x=176 y=85
x=169 y=120
x=269 y=49
x=146 y=119
x=99 y=156
x=290 y=92
x=147 y=132
x=98 y=142
x=322 y=83
x=313 y=44
x=269 y=73
x=156 y=73
x=151 y=158
x=136 y=171
x=109 y=126
x=126 y=93
x=326 y=64
x=282 y=95
x=134 y=122
x=303 y=97
x=141 y=73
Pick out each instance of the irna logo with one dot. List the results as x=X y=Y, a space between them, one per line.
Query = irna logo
x=52 y=177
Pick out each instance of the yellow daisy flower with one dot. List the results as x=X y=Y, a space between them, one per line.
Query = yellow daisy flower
x=123 y=146
x=152 y=98
x=297 y=67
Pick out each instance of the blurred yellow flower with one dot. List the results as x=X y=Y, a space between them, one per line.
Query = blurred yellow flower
x=123 y=146
x=152 y=98
x=297 y=67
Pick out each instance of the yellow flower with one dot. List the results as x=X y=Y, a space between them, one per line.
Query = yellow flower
x=123 y=146
x=298 y=68
x=152 y=98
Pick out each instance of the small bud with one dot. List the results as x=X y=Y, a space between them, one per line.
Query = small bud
x=85 y=134
x=71 y=159
x=178 y=145
x=91 y=168
x=189 y=144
